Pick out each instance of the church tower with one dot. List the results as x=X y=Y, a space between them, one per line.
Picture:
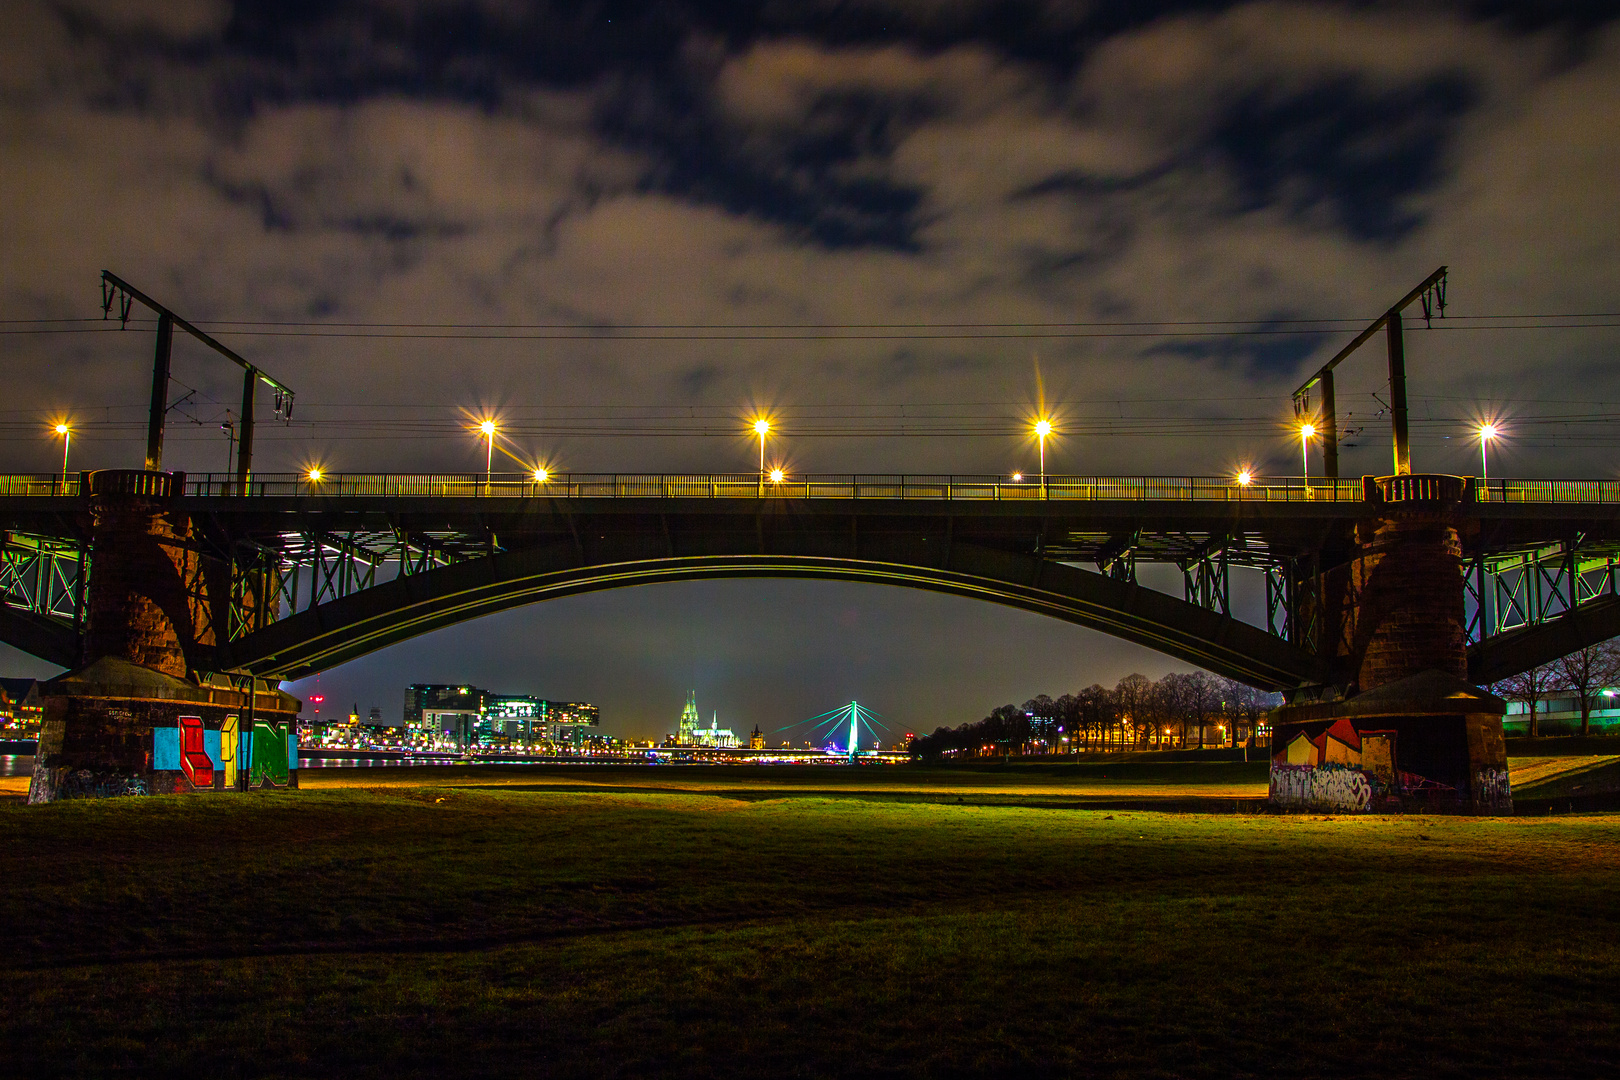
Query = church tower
x=684 y=734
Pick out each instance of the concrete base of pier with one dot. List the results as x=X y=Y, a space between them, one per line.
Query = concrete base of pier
x=1429 y=743
x=116 y=728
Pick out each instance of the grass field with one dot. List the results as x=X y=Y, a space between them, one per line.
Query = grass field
x=817 y=922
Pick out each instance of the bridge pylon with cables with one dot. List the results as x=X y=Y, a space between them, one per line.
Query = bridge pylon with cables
x=850 y=719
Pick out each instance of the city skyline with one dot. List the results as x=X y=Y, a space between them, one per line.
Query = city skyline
x=623 y=235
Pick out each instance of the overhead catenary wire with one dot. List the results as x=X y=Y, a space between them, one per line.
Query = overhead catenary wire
x=932 y=333
x=580 y=324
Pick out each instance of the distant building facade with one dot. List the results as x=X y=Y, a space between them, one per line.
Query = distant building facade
x=468 y=716
x=20 y=709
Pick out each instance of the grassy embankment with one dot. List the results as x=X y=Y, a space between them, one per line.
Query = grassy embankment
x=629 y=922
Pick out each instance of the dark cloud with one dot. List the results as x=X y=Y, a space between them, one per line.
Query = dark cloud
x=1360 y=155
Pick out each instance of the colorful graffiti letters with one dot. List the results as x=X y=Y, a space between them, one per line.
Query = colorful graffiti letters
x=270 y=753
x=228 y=745
x=194 y=760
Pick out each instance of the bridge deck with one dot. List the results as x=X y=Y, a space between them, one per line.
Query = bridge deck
x=383 y=556
x=931 y=487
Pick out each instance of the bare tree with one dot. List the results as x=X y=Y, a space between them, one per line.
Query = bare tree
x=1131 y=696
x=1096 y=705
x=1174 y=703
x=1202 y=693
x=1068 y=717
x=1242 y=704
x=1587 y=671
x=1531 y=687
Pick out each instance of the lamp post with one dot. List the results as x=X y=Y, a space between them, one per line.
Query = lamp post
x=1487 y=432
x=1043 y=428
x=67 y=437
x=488 y=428
x=1306 y=433
x=762 y=428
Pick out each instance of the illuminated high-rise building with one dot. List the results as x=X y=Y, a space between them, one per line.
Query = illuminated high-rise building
x=470 y=716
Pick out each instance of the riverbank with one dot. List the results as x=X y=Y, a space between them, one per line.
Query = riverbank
x=724 y=921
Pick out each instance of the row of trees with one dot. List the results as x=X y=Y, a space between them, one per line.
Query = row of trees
x=1200 y=709
x=1583 y=674
x=1177 y=711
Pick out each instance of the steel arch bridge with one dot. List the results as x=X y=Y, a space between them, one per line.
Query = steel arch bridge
x=324 y=572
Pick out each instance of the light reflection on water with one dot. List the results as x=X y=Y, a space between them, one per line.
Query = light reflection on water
x=360 y=762
x=23 y=764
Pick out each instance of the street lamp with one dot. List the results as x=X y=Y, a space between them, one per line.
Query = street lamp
x=1043 y=428
x=314 y=474
x=762 y=428
x=1245 y=478
x=776 y=476
x=488 y=428
x=1307 y=432
x=67 y=437
x=1487 y=432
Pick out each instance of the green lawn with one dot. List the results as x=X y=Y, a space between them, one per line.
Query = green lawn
x=414 y=922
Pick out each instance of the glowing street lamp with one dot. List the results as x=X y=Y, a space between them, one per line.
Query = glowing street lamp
x=1487 y=432
x=66 y=432
x=1043 y=428
x=762 y=428
x=776 y=476
x=314 y=474
x=488 y=429
x=1307 y=432
x=541 y=475
x=1245 y=477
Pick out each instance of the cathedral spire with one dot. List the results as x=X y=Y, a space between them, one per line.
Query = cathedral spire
x=684 y=734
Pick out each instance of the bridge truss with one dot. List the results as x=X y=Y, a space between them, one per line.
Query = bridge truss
x=308 y=558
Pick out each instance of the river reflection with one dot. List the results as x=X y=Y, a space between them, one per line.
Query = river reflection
x=363 y=762
x=23 y=764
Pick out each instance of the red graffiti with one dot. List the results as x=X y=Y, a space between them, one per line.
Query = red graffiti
x=194 y=760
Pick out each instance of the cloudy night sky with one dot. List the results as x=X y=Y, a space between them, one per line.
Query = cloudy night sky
x=899 y=227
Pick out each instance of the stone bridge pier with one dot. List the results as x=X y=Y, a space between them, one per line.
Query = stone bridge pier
x=142 y=713
x=1402 y=729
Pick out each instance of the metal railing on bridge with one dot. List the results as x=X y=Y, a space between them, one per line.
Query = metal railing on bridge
x=752 y=486
x=820 y=486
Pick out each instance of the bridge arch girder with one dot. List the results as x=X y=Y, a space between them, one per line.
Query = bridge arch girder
x=383 y=615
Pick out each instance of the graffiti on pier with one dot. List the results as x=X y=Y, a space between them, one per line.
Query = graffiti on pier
x=1385 y=763
x=228 y=743
x=84 y=784
x=226 y=758
x=271 y=752
x=1494 y=790
x=1325 y=787
x=195 y=761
